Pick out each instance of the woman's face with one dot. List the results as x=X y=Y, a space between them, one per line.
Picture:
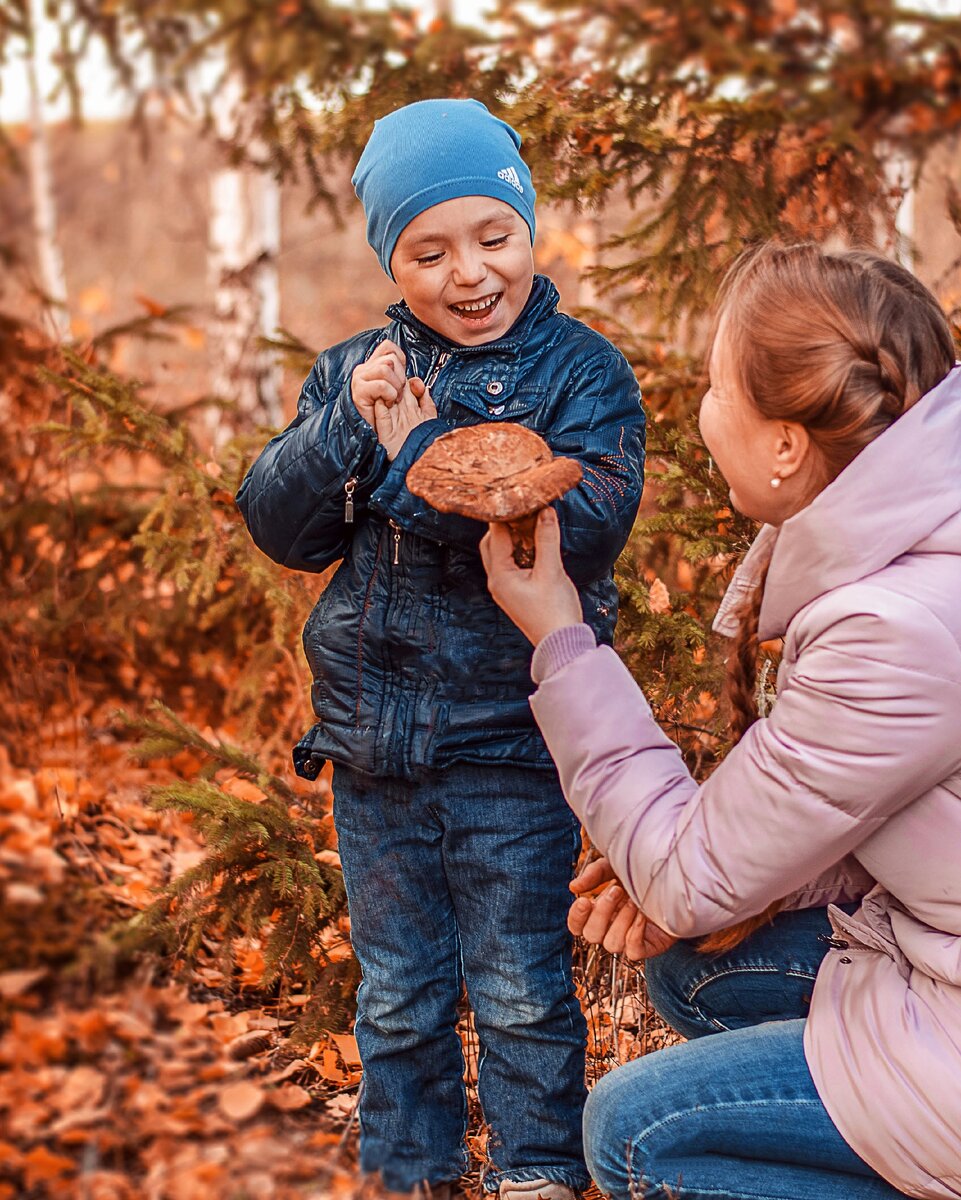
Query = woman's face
x=748 y=448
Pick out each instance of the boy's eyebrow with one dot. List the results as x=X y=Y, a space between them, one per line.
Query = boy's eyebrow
x=492 y=219
x=424 y=238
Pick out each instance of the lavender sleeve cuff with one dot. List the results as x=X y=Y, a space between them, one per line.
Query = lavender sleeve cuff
x=559 y=648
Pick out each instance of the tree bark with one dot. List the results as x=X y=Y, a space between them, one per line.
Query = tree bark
x=49 y=258
x=899 y=170
x=243 y=247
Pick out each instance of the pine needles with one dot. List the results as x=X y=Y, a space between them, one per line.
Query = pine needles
x=259 y=877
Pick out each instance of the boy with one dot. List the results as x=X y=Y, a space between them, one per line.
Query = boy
x=456 y=843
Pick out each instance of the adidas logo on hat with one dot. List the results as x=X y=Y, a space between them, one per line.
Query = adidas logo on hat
x=509 y=175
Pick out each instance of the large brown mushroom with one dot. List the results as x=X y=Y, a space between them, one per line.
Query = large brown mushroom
x=496 y=471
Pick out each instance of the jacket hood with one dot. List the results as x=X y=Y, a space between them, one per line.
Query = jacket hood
x=901 y=488
x=541 y=303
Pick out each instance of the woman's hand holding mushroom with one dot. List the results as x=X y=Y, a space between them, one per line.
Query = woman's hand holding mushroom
x=393 y=422
x=381 y=378
x=540 y=600
x=612 y=919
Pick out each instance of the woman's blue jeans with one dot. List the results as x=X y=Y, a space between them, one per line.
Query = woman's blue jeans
x=732 y=1114
x=462 y=877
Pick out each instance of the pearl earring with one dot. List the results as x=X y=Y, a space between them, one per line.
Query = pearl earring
x=776 y=481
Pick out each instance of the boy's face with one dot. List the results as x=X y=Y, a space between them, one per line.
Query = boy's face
x=465 y=268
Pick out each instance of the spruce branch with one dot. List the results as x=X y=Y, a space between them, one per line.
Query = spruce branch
x=259 y=878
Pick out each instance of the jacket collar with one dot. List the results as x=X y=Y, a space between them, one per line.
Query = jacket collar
x=899 y=489
x=541 y=303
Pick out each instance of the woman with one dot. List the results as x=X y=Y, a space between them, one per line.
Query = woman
x=834 y=413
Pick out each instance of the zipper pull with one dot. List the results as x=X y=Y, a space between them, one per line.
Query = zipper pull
x=835 y=942
x=349 y=503
x=396 y=529
x=441 y=362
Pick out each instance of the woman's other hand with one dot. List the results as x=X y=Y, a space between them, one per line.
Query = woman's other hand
x=612 y=919
x=540 y=600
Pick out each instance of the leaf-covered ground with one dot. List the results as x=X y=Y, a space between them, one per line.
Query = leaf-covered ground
x=147 y=1084
x=150 y=1082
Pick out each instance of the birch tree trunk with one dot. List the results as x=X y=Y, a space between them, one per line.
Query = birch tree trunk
x=244 y=242
x=899 y=170
x=49 y=258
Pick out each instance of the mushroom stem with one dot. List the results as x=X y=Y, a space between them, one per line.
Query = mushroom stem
x=522 y=539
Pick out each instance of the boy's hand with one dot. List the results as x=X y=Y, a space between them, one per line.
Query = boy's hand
x=542 y=599
x=380 y=378
x=394 y=422
x=612 y=919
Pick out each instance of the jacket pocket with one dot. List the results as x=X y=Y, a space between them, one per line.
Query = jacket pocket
x=504 y=403
x=316 y=618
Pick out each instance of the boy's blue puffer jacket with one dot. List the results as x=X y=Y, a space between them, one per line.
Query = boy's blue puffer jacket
x=414 y=665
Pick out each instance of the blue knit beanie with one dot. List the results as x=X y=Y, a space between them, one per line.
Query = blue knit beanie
x=432 y=151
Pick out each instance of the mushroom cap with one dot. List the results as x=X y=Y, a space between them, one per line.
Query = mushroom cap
x=495 y=471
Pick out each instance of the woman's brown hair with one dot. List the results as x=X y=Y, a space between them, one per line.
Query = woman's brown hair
x=843 y=343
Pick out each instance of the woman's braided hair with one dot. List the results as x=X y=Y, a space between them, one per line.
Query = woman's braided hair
x=842 y=342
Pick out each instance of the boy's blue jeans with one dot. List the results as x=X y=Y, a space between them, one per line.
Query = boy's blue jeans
x=733 y=1115
x=462 y=877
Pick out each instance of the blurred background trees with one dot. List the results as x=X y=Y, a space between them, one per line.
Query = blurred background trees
x=212 y=246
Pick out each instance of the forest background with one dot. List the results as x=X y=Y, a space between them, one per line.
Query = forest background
x=176 y=979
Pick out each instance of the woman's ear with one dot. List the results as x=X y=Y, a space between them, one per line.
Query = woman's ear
x=792 y=448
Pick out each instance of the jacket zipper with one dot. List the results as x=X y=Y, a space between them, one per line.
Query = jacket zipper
x=429 y=382
x=442 y=359
x=349 y=488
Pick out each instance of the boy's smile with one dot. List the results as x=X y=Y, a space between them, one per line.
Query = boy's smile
x=465 y=268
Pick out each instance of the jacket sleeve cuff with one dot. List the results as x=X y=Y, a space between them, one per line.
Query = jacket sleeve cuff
x=362 y=431
x=420 y=437
x=363 y=455
x=559 y=648
x=395 y=500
